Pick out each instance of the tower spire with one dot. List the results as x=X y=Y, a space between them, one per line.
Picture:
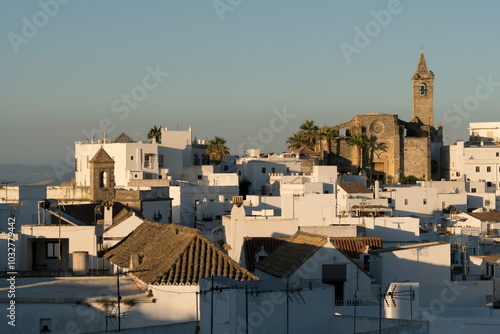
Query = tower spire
x=422 y=66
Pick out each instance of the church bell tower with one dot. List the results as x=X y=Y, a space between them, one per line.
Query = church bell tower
x=423 y=88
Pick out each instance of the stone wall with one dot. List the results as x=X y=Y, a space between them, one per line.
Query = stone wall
x=417 y=157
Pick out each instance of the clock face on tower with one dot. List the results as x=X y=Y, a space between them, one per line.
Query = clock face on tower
x=377 y=128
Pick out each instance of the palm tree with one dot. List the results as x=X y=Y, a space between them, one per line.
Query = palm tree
x=155 y=132
x=361 y=141
x=310 y=133
x=217 y=149
x=296 y=141
x=329 y=134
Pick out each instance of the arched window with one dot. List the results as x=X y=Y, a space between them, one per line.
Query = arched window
x=423 y=89
x=103 y=179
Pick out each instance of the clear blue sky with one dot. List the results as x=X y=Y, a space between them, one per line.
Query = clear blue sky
x=226 y=76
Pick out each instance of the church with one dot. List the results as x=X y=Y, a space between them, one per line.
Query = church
x=396 y=148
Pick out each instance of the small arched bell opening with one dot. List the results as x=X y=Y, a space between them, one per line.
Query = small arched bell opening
x=103 y=179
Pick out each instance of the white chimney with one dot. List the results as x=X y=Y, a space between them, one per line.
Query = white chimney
x=377 y=188
x=108 y=215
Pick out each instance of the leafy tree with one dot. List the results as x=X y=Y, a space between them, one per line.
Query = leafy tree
x=329 y=134
x=410 y=179
x=155 y=132
x=361 y=142
x=217 y=149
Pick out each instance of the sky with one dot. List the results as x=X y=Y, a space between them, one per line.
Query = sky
x=247 y=71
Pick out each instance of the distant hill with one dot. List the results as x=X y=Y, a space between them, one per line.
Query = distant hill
x=31 y=175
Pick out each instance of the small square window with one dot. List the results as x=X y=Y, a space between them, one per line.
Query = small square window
x=288 y=169
x=239 y=172
x=488 y=169
x=226 y=167
x=488 y=184
x=273 y=170
x=200 y=177
x=473 y=190
x=458 y=173
x=487 y=202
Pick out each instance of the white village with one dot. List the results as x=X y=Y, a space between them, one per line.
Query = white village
x=369 y=226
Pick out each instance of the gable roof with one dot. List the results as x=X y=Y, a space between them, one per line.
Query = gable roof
x=101 y=156
x=405 y=247
x=86 y=213
x=121 y=217
x=123 y=138
x=174 y=255
x=253 y=245
x=292 y=254
x=485 y=216
x=354 y=188
x=355 y=246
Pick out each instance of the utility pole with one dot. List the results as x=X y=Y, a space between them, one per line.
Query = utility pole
x=212 y=307
x=118 y=298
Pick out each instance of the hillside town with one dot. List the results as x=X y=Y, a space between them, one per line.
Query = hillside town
x=374 y=225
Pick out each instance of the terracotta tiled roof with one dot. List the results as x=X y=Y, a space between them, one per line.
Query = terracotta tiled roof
x=253 y=245
x=485 y=216
x=355 y=246
x=174 y=255
x=292 y=254
x=354 y=188
x=123 y=138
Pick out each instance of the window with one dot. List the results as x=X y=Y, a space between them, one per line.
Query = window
x=160 y=160
x=458 y=173
x=148 y=176
x=425 y=201
x=288 y=169
x=332 y=273
x=226 y=167
x=498 y=154
x=487 y=202
x=478 y=169
x=131 y=157
x=488 y=184
x=76 y=164
x=406 y=202
x=200 y=177
x=196 y=161
x=239 y=172
x=488 y=169
x=52 y=250
x=263 y=170
x=273 y=170
x=473 y=190
x=443 y=205
x=148 y=160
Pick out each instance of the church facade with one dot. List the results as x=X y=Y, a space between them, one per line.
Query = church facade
x=396 y=148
